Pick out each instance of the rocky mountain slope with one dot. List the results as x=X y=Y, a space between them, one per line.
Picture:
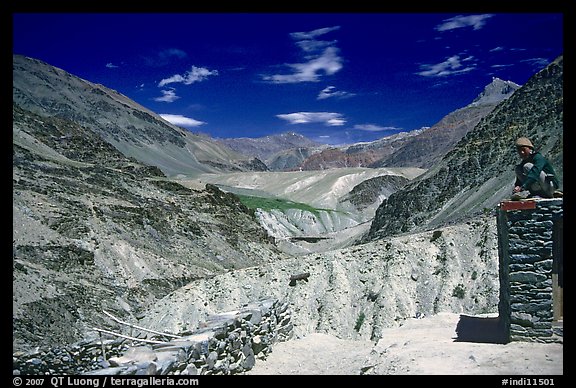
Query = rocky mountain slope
x=98 y=220
x=264 y=148
x=428 y=147
x=356 y=292
x=292 y=159
x=134 y=130
x=418 y=148
x=99 y=225
x=479 y=172
x=367 y=154
x=95 y=230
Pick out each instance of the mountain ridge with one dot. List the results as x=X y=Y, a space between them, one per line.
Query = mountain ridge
x=478 y=172
x=417 y=148
x=264 y=147
x=133 y=129
x=428 y=146
x=96 y=229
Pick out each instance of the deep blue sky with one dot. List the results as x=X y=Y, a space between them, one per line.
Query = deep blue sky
x=336 y=78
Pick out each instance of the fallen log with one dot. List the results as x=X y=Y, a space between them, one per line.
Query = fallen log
x=140 y=327
x=128 y=337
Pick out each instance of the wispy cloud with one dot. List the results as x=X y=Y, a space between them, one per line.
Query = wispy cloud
x=195 y=74
x=330 y=91
x=460 y=21
x=182 y=121
x=311 y=35
x=375 y=128
x=165 y=57
x=537 y=64
x=501 y=66
x=167 y=96
x=451 y=66
x=327 y=118
x=322 y=58
x=172 y=52
x=110 y=65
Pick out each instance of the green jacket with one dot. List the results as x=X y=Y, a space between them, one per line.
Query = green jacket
x=540 y=164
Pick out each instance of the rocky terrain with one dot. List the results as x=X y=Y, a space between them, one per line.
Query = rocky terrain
x=333 y=205
x=479 y=171
x=94 y=229
x=266 y=148
x=428 y=147
x=97 y=228
x=355 y=292
x=364 y=154
x=131 y=128
x=153 y=225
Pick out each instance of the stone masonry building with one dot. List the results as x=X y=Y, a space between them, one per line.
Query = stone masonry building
x=530 y=237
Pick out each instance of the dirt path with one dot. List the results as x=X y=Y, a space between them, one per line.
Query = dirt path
x=315 y=354
x=420 y=347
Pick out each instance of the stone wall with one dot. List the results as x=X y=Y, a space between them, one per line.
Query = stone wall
x=527 y=249
x=227 y=343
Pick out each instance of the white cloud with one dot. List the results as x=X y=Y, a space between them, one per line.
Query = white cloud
x=374 y=128
x=314 y=45
x=110 y=65
x=322 y=58
x=181 y=120
x=167 y=96
x=196 y=74
x=312 y=34
x=450 y=66
x=330 y=91
x=460 y=21
x=327 y=118
x=329 y=63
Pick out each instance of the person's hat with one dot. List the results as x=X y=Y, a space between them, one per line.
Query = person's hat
x=524 y=142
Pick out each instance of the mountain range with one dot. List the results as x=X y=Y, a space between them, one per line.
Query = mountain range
x=116 y=209
x=131 y=128
x=265 y=148
x=418 y=148
x=94 y=226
